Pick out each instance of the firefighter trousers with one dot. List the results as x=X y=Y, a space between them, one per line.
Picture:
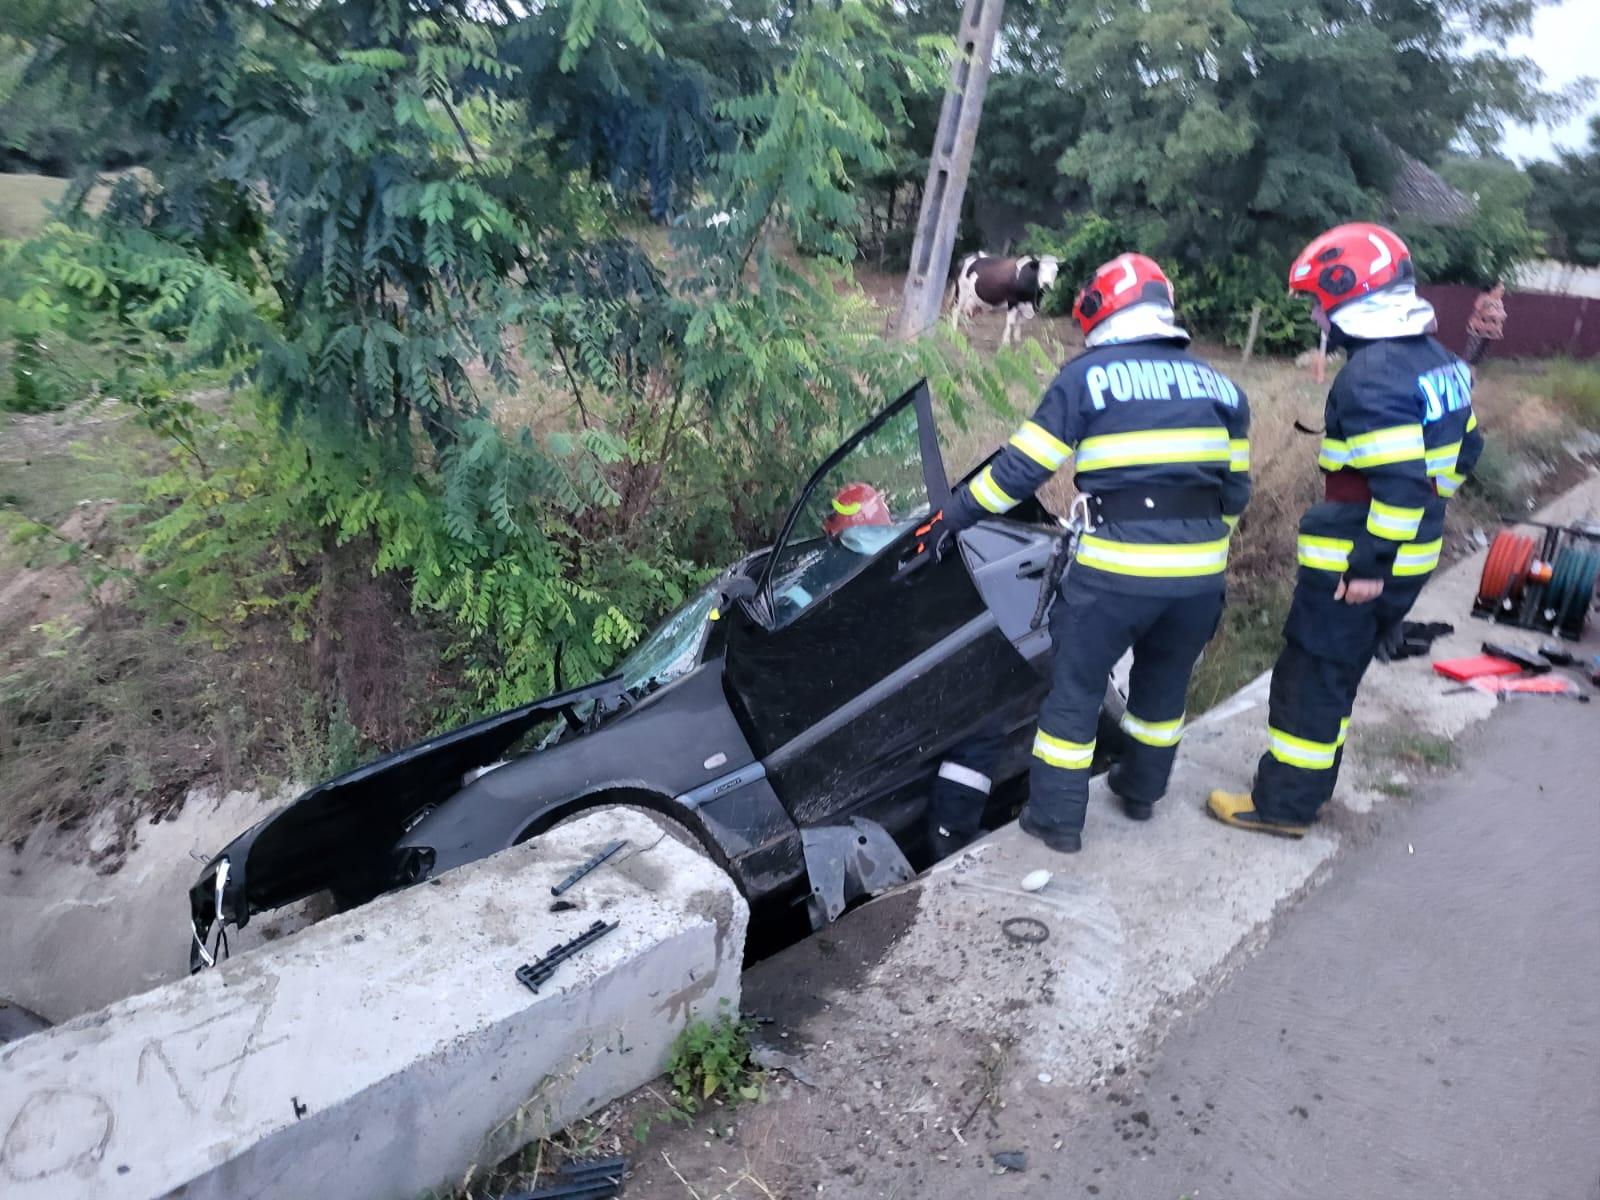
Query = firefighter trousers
x=961 y=789
x=1328 y=646
x=1092 y=628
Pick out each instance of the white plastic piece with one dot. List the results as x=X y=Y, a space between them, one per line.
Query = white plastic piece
x=1034 y=881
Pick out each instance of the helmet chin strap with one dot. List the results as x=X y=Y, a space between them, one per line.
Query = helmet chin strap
x=1140 y=323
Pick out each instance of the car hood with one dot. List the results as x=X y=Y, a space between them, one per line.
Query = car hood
x=339 y=833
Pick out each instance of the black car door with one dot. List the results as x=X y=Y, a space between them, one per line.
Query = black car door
x=858 y=662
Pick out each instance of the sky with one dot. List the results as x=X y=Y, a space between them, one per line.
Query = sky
x=1563 y=42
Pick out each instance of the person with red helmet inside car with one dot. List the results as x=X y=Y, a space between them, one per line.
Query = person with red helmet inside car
x=857 y=506
x=1162 y=450
x=1400 y=437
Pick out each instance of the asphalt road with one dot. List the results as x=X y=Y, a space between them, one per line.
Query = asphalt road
x=1426 y=1024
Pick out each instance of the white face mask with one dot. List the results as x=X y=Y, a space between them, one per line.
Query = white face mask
x=1393 y=312
x=866 y=539
x=1139 y=323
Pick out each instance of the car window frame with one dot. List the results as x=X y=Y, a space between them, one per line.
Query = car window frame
x=918 y=397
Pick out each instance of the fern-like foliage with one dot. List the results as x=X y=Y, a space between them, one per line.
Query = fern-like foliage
x=397 y=222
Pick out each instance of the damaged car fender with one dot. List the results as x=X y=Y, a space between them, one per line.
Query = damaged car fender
x=679 y=751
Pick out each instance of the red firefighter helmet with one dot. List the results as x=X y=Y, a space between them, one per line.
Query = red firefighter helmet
x=1349 y=262
x=856 y=504
x=1118 y=285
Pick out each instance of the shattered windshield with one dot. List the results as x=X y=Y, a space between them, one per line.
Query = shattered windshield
x=673 y=647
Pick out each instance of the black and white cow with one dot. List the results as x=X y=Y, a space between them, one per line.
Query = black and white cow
x=1017 y=285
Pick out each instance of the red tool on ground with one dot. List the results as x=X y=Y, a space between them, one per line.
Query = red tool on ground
x=1476 y=667
x=1528 y=685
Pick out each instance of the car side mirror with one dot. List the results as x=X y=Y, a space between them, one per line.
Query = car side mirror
x=740 y=587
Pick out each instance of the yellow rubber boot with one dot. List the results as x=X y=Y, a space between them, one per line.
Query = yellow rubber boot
x=1239 y=810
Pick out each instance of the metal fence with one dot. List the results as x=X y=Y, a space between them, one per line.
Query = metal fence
x=1537 y=325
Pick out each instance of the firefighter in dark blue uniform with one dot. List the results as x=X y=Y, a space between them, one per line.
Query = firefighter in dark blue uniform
x=1162 y=465
x=1400 y=437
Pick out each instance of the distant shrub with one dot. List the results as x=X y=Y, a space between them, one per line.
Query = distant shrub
x=1214 y=299
x=1576 y=387
x=1086 y=243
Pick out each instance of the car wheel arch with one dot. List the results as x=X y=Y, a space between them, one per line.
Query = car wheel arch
x=656 y=803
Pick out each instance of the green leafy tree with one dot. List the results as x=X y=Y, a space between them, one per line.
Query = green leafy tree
x=1567 y=199
x=1240 y=126
x=53 y=120
x=1494 y=240
x=397 y=220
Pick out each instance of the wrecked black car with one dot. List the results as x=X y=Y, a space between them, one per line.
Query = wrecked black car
x=790 y=716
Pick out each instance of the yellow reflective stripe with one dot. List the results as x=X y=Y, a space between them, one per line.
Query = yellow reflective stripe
x=1301 y=752
x=1147 y=447
x=1447 y=483
x=1039 y=444
x=1152 y=733
x=1472 y=422
x=987 y=493
x=1238 y=454
x=1154 y=560
x=1397 y=443
x=1230 y=522
x=1334 y=454
x=1344 y=729
x=1443 y=458
x=1417 y=558
x=1324 y=553
x=1058 y=752
x=846 y=510
x=1396 y=524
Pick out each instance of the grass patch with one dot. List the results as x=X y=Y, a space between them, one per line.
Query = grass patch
x=1575 y=387
x=1423 y=751
x=1247 y=643
x=25 y=202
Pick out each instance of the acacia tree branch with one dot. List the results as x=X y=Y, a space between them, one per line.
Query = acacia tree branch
x=461 y=130
x=270 y=11
x=572 y=380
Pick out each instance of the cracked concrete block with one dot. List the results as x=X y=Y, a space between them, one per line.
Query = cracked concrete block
x=384 y=1052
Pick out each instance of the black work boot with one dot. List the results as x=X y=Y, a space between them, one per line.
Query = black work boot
x=1062 y=841
x=943 y=842
x=1135 y=810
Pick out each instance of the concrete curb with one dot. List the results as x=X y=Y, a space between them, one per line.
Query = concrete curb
x=387 y=1051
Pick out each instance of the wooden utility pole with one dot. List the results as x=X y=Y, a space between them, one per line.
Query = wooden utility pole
x=1255 y=328
x=948 y=167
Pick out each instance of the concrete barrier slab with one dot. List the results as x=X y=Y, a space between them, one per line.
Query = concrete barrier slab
x=387 y=1051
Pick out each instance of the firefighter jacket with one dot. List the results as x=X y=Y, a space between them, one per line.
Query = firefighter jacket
x=1399 y=416
x=1133 y=415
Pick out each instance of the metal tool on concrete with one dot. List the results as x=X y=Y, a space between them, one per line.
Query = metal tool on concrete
x=539 y=971
x=583 y=870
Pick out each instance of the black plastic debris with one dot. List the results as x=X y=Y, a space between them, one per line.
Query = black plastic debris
x=1411 y=639
x=594 y=1179
x=588 y=866
x=1011 y=1160
x=539 y=971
